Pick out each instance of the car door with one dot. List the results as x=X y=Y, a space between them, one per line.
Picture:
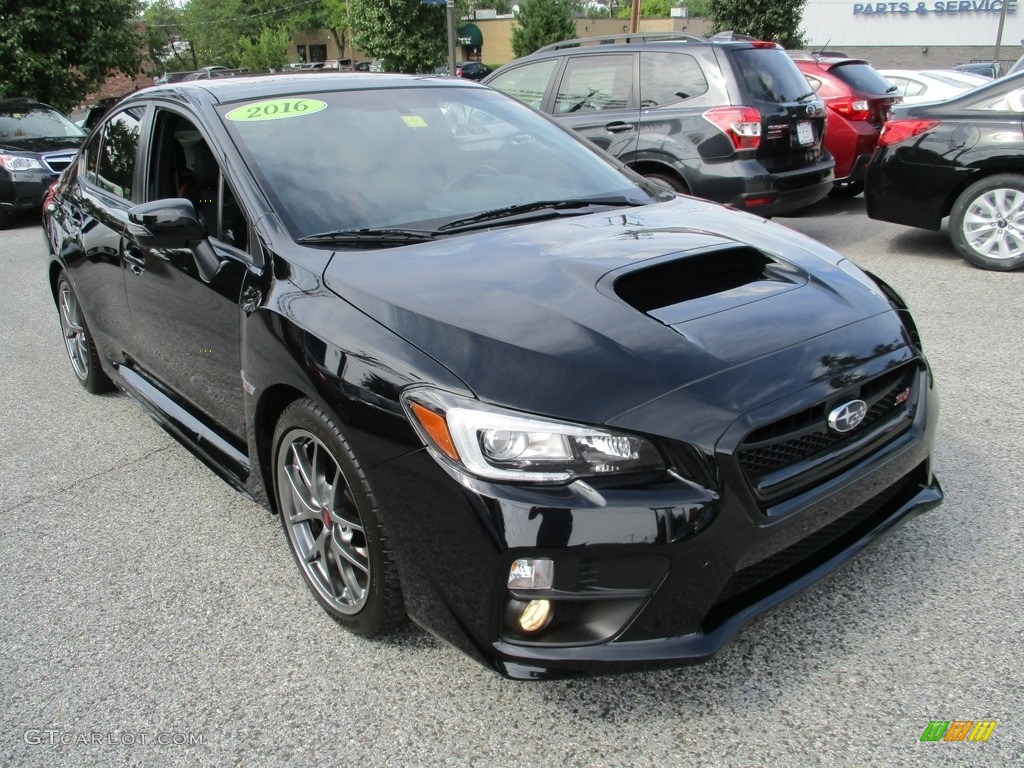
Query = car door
x=94 y=211
x=597 y=97
x=187 y=322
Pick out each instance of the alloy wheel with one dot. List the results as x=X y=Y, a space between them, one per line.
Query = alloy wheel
x=323 y=522
x=76 y=338
x=993 y=224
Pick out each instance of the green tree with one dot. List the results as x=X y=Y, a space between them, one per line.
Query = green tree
x=775 y=20
x=270 y=51
x=649 y=9
x=407 y=35
x=60 y=50
x=166 y=45
x=540 y=23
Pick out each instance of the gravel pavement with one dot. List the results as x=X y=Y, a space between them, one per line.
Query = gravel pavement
x=149 y=615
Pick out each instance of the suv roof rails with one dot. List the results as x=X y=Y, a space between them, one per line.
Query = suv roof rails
x=626 y=37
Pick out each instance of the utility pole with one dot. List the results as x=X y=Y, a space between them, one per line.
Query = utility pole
x=450 y=9
x=634 y=18
x=999 y=33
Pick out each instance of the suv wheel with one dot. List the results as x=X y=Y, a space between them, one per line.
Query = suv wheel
x=987 y=222
x=846 y=190
x=669 y=182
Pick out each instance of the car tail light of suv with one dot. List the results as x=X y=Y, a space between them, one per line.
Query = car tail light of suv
x=741 y=124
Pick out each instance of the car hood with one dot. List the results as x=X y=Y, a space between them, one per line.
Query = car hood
x=41 y=145
x=589 y=317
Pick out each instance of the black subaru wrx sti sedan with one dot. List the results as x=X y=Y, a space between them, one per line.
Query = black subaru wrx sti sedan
x=487 y=378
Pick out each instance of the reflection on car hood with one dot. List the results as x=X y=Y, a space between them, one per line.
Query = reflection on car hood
x=40 y=145
x=533 y=316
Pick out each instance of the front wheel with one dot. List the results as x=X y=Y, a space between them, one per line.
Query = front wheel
x=986 y=223
x=669 y=182
x=78 y=342
x=332 y=523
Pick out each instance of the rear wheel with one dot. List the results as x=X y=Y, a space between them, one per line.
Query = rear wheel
x=846 y=190
x=669 y=182
x=986 y=224
x=332 y=523
x=85 y=360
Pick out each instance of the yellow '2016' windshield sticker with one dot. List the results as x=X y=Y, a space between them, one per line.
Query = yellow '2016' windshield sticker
x=275 y=109
x=414 y=121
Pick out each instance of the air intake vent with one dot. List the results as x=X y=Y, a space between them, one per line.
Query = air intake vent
x=691 y=285
x=692 y=277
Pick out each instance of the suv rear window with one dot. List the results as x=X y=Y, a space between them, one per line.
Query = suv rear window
x=770 y=75
x=863 y=78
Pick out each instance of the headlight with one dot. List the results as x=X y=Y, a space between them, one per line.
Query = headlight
x=499 y=444
x=19 y=163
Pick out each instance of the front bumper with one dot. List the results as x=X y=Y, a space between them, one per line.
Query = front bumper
x=660 y=574
x=24 y=190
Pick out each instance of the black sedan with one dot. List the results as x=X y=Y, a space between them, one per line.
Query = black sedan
x=486 y=377
x=962 y=158
x=36 y=143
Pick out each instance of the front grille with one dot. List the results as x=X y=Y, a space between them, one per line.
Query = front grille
x=766 y=576
x=805 y=435
x=58 y=163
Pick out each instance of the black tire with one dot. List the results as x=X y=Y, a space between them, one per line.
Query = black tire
x=6 y=218
x=332 y=523
x=846 y=190
x=986 y=223
x=669 y=182
x=78 y=342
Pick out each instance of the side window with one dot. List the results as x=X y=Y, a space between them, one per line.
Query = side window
x=527 y=83
x=669 y=77
x=595 y=83
x=90 y=158
x=183 y=165
x=115 y=170
x=814 y=82
x=911 y=88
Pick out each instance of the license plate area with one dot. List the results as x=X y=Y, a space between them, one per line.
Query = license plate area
x=804 y=133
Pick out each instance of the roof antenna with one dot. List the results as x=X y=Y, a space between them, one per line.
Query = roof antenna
x=822 y=49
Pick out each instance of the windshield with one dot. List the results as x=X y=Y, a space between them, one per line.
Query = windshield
x=863 y=78
x=413 y=158
x=36 y=123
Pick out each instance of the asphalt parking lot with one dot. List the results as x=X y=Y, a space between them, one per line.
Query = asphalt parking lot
x=149 y=615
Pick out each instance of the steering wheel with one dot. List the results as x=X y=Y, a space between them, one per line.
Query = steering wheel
x=470 y=178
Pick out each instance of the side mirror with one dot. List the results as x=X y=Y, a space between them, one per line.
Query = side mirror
x=169 y=223
x=173 y=223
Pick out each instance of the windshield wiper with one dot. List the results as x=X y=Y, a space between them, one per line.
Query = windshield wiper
x=545 y=207
x=372 y=237
x=806 y=97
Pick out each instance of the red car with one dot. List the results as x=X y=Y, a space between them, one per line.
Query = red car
x=859 y=101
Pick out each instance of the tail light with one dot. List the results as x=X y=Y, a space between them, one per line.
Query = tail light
x=851 y=108
x=48 y=197
x=897 y=131
x=741 y=124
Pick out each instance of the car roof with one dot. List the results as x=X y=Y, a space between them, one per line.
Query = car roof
x=825 y=64
x=21 y=103
x=223 y=90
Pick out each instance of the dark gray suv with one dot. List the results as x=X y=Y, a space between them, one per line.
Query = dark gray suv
x=730 y=121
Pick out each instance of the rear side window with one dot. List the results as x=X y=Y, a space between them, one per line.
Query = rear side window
x=669 y=77
x=527 y=83
x=770 y=75
x=596 y=83
x=863 y=78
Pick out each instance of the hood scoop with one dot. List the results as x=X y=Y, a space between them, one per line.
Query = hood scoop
x=684 y=287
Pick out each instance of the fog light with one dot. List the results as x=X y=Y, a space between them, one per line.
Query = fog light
x=535 y=616
x=532 y=573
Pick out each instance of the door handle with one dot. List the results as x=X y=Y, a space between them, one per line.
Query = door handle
x=136 y=260
x=618 y=127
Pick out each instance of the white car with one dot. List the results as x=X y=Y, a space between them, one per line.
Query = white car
x=917 y=86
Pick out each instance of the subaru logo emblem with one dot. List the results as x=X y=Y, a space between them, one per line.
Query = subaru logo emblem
x=848 y=415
